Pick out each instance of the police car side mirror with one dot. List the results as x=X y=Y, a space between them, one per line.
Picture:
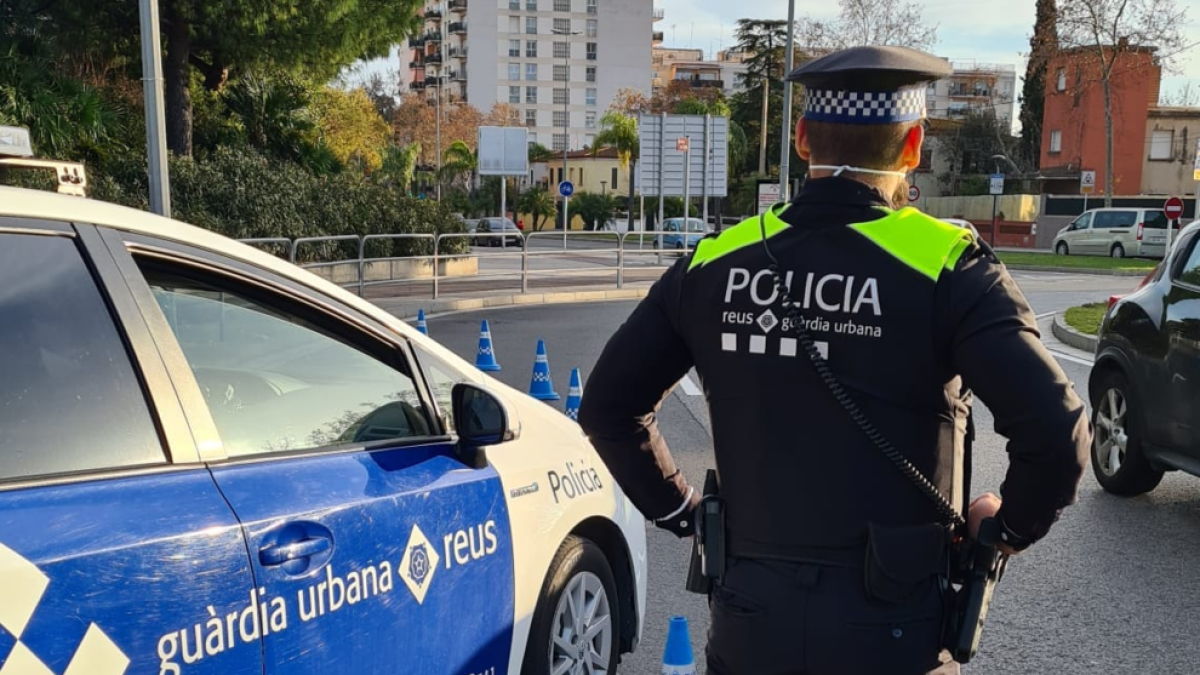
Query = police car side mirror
x=479 y=416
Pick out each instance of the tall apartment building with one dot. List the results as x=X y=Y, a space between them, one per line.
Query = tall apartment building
x=558 y=62
x=973 y=87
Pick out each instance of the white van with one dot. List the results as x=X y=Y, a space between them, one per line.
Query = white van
x=1116 y=232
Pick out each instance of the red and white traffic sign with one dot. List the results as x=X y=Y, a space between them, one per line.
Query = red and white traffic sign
x=914 y=193
x=681 y=144
x=1174 y=208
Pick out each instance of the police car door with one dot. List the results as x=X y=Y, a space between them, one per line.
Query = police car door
x=374 y=548
x=118 y=554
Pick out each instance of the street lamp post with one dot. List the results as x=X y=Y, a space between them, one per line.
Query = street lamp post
x=604 y=188
x=566 y=124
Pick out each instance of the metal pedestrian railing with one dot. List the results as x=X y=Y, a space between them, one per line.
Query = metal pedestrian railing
x=546 y=255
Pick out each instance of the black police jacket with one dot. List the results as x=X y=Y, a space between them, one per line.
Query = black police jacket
x=908 y=311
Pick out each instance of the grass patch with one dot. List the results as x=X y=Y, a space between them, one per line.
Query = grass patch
x=1086 y=318
x=1076 y=261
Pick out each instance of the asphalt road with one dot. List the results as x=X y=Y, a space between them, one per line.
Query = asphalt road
x=1110 y=591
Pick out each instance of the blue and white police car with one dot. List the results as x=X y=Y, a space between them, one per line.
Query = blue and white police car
x=212 y=461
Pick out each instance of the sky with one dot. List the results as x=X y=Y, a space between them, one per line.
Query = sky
x=986 y=31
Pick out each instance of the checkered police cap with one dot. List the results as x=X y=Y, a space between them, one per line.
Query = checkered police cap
x=869 y=85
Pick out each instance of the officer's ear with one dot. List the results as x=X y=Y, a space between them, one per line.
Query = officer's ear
x=802 y=150
x=914 y=139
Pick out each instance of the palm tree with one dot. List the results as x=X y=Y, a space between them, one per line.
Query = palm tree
x=539 y=204
x=459 y=161
x=619 y=132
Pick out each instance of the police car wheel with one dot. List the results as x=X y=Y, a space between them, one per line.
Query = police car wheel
x=577 y=617
x=1118 y=460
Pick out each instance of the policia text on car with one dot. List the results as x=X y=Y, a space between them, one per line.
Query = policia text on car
x=835 y=561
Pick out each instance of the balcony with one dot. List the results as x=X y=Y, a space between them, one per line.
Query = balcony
x=433 y=14
x=458 y=52
x=416 y=65
x=433 y=59
x=418 y=86
x=698 y=83
x=458 y=28
x=657 y=37
x=968 y=91
x=417 y=42
x=458 y=76
x=432 y=36
x=459 y=6
x=659 y=15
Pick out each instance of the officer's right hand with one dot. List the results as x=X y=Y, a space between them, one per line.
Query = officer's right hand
x=984 y=506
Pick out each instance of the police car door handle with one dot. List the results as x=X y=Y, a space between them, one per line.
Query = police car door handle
x=305 y=548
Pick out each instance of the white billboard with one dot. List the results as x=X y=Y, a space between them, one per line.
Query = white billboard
x=503 y=151
x=661 y=159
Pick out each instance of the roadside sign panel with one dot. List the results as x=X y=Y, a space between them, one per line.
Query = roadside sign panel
x=996 y=184
x=1196 y=164
x=503 y=151
x=566 y=188
x=681 y=144
x=1087 y=182
x=660 y=164
x=914 y=193
x=768 y=195
x=1173 y=208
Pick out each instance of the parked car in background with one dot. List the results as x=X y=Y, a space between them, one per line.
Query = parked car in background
x=673 y=233
x=1116 y=232
x=1145 y=385
x=498 y=225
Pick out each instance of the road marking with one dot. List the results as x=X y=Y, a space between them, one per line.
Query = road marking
x=1071 y=357
x=689 y=387
x=1044 y=315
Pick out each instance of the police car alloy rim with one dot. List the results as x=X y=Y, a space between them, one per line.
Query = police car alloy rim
x=1111 y=437
x=582 y=632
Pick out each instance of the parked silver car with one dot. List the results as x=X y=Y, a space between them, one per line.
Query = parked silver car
x=1116 y=232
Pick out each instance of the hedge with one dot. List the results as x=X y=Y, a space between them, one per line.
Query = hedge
x=242 y=194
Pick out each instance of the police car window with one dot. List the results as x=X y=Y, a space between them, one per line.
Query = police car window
x=275 y=382
x=442 y=378
x=69 y=397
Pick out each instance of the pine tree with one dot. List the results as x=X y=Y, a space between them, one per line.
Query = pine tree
x=1043 y=45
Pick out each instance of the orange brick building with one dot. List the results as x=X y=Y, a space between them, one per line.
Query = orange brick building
x=1073 y=129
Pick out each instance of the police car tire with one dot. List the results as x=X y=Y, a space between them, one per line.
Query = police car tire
x=1136 y=475
x=575 y=556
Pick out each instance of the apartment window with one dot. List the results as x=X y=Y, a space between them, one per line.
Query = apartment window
x=591 y=73
x=514 y=94
x=589 y=140
x=562 y=5
x=531 y=49
x=591 y=51
x=531 y=5
x=514 y=48
x=1062 y=79
x=562 y=50
x=591 y=28
x=562 y=73
x=560 y=144
x=514 y=71
x=562 y=25
x=531 y=72
x=531 y=25
x=514 y=5
x=591 y=6
x=1160 y=144
x=514 y=26
x=561 y=96
x=531 y=117
x=590 y=121
x=560 y=118
x=531 y=94
x=591 y=96
x=1055 y=141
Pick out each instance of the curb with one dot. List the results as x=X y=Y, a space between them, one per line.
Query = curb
x=407 y=309
x=1072 y=270
x=1072 y=337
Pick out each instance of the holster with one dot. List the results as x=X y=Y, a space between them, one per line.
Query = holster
x=977 y=566
x=707 y=563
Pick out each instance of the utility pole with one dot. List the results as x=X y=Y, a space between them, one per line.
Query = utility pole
x=785 y=149
x=441 y=85
x=156 y=129
x=566 y=124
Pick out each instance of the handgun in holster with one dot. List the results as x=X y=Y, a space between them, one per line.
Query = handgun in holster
x=979 y=566
x=707 y=564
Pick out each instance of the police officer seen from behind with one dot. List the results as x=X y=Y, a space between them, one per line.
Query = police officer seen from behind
x=835 y=560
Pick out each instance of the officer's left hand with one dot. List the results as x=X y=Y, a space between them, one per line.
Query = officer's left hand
x=984 y=506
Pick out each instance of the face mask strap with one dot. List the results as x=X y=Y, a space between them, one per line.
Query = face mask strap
x=837 y=170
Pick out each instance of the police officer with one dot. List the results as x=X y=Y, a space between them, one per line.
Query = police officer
x=836 y=562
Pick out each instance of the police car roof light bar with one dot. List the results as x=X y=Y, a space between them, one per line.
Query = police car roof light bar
x=16 y=152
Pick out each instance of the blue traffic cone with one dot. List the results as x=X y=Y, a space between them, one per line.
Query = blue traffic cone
x=421 y=325
x=541 y=387
x=485 y=358
x=574 y=396
x=677 y=656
